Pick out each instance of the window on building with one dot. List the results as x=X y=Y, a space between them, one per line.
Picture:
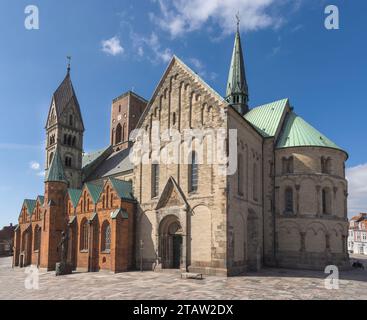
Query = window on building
x=111 y=200
x=155 y=180
x=73 y=142
x=118 y=133
x=288 y=200
x=106 y=237
x=120 y=108
x=71 y=120
x=68 y=161
x=193 y=172
x=84 y=236
x=240 y=175
x=326 y=201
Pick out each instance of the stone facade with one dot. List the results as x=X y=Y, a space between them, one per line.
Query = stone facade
x=283 y=204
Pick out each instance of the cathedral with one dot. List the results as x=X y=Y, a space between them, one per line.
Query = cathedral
x=284 y=204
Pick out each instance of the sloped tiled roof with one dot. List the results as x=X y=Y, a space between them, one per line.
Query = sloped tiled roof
x=74 y=195
x=64 y=94
x=30 y=205
x=41 y=199
x=56 y=171
x=116 y=163
x=95 y=190
x=266 y=118
x=237 y=77
x=297 y=133
x=123 y=188
x=124 y=214
x=89 y=158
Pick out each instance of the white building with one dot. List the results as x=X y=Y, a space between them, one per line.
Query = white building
x=357 y=238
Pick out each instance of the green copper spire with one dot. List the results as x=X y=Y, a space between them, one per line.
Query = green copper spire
x=237 y=90
x=56 y=171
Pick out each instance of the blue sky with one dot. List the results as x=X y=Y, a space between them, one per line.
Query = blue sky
x=288 y=53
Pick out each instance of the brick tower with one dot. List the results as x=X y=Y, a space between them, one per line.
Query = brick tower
x=54 y=218
x=125 y=114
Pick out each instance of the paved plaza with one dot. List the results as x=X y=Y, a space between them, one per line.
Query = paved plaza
x=266 y=284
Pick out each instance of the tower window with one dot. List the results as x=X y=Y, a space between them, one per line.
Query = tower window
x=155 y=180
x=71 y=120
x=68 y=161
x=51 y=157
x=118 y=134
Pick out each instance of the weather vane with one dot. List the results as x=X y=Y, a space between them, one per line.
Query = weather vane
x=69 y=62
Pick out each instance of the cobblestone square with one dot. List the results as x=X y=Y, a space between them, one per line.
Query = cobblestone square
x=266 y=284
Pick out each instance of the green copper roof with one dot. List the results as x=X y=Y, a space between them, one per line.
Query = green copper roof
x=124 y=214
x=56 y=171
x=123 y=188
x=266 y=118
x=297 y=133
x=41 y=199
x=30 y=204
x=89 y=158
x=95 y=191
x=74 y=195
x=237 y=77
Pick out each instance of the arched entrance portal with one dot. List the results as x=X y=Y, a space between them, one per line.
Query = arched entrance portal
x=170 y=242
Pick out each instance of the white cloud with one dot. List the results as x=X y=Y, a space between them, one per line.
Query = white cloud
x=41 y=173
x=357 y=189
x=181 y=16
x=35 y=165
x=199 y=67
x=112 y=46
x=150 y=47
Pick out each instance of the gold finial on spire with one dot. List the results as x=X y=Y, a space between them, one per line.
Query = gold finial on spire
x=238 y=20
x=69 y=63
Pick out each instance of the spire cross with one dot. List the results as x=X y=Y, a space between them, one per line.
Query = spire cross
x=238 y=20
x=69 y=62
